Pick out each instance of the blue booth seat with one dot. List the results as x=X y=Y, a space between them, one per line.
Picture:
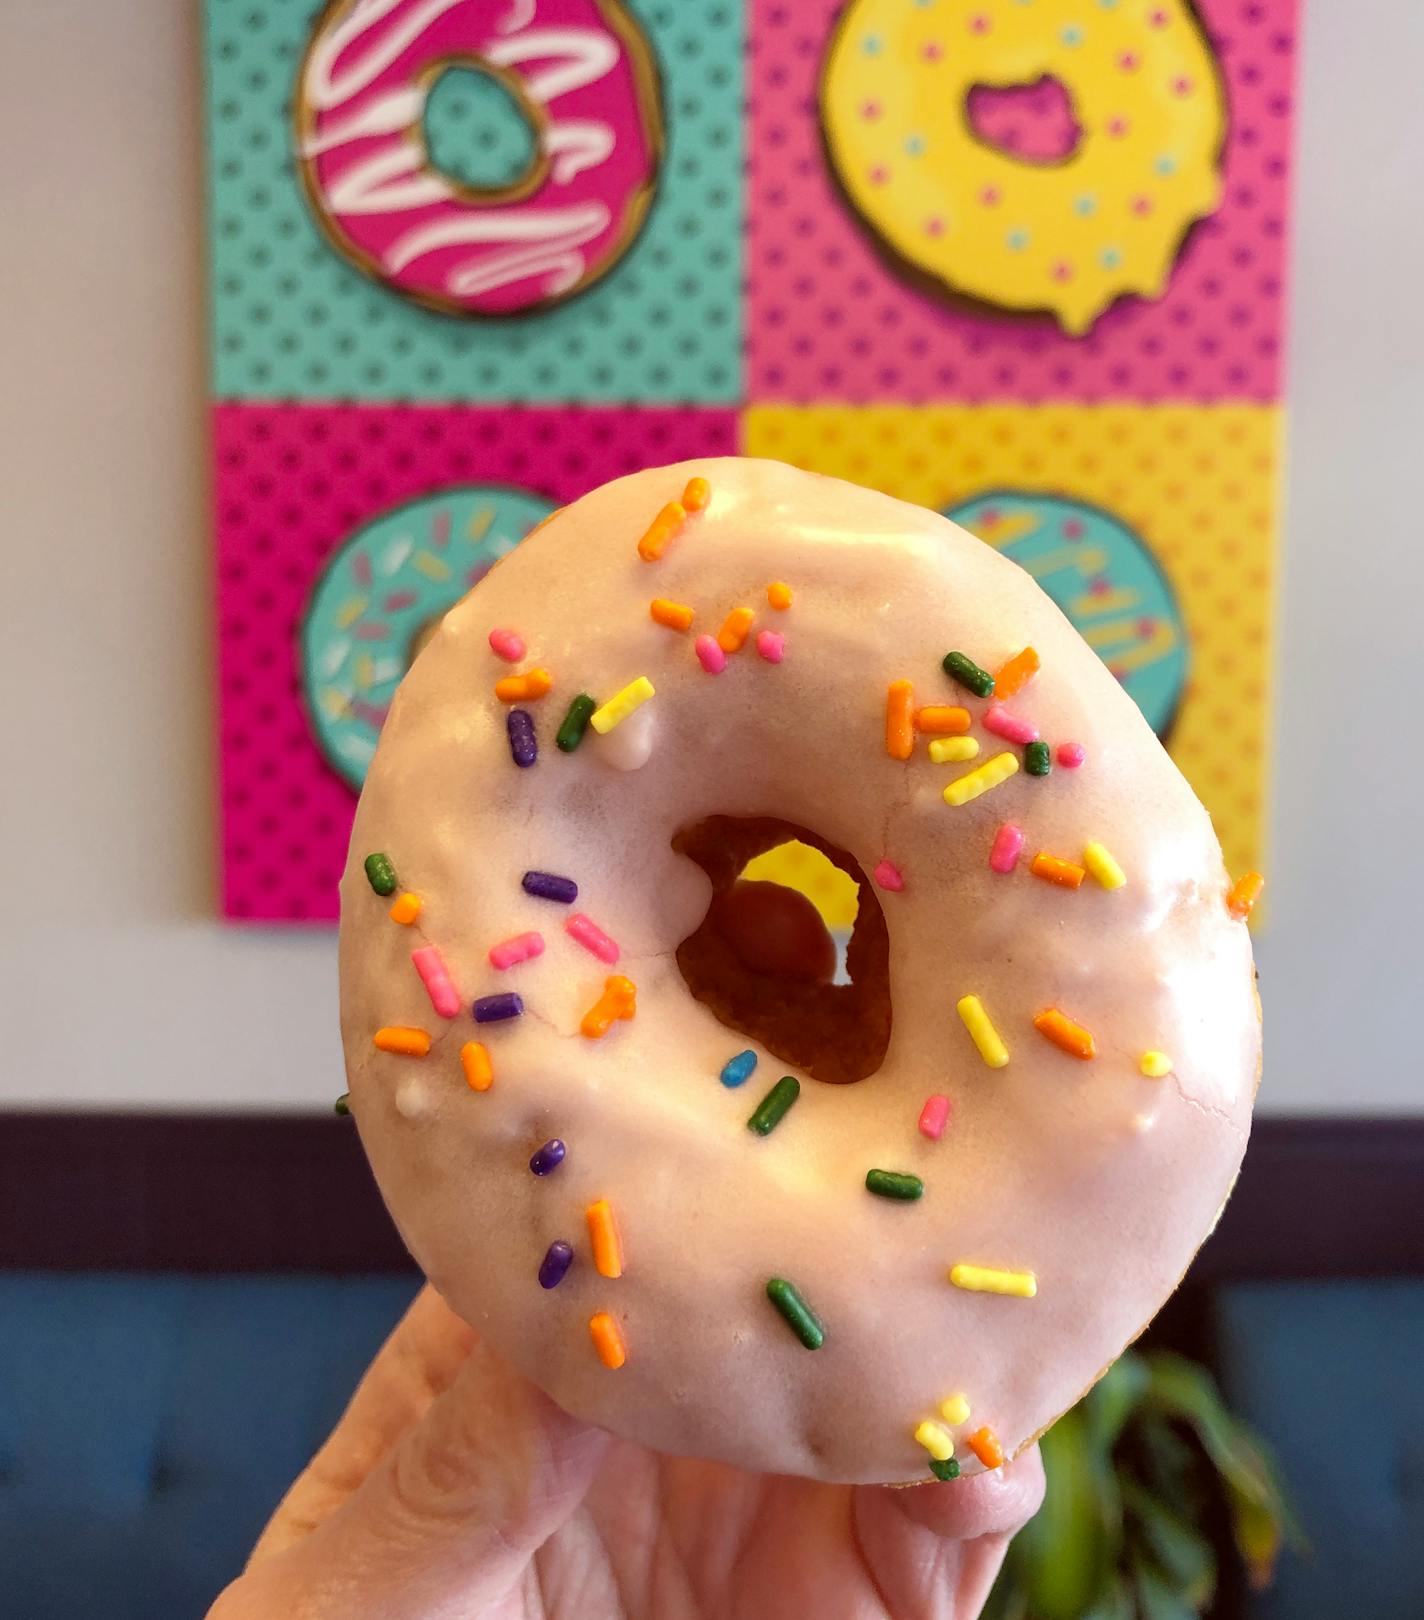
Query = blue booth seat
x=1332 y=1373
x=149 y=1425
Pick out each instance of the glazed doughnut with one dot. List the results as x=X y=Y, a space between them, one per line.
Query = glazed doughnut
x=1068 y=233
x=381 y=594
x=582 y=76
x=861 y=1231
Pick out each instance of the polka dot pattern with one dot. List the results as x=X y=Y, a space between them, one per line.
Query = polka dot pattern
x=292 y=483
x=293 y=319
x=1214 y=335
x=1197 y=485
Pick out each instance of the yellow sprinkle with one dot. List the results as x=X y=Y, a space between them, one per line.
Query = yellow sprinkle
x=365 y=671
x=955 y=1409
x=985 y=1280
x=1099 y=861
x=982 y=1032
x=480 y=520
x=348 y=613
x=431 y=566
x=406 y=909
x=475 y=1061
x=1155 y=1065
x=336 y=703
x=935 y=1440
x=619 y=707
x=778 y=593
x=989 y=775
x=953 y=750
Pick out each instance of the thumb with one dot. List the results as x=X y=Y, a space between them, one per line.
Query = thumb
x=450 y=1516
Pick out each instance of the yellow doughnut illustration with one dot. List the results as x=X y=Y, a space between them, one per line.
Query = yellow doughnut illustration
x=1067 y=234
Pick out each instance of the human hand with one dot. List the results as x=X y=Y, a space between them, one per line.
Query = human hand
x=453 y=1487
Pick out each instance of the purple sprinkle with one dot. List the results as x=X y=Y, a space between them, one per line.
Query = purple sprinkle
x=548 y=1158
x=522 y=742
x=555 y=1265
x=549 y=886
x=492 y=1009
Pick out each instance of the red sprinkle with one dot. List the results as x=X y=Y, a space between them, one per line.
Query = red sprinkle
x=888 y=876
x=1008 y=846
x=934 y=1116
x=1070 y=755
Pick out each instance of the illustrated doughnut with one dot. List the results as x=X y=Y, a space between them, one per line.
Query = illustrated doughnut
x=715 y=1202
x=381 y=594
x=582 y=76
x=907 y=102
x=1105 y=580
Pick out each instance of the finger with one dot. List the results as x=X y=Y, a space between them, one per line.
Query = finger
x=449 y=1518
x=998 y=1501
x=420 y=1359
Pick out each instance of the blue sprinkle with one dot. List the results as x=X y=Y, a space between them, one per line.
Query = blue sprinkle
x=1110 y=258
x=1166 y=164
x=548 y=1158
x=549 y=886
x=523 y=744
x=494 y=1009
x=1085 y=205
x=554 y=1267
x=1017 y=240
x=739 y=1068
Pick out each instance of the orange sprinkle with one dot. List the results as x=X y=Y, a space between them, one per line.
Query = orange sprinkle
x=662 y=529
x=778 y=593
x=603 y=1235
x=475 y=1061
x=619 y=1000
x=1016 y=674
x=984 y=1443
x=899 y=720
x=675 y=615
x=697 y=494
x=402 y=1041
x=1067 y=874
x=608 y=1340
x=942 y=720
x=1065 y=1034
x=733 y=634
x=1245 y=892
x=523 y=688
x=405 y=909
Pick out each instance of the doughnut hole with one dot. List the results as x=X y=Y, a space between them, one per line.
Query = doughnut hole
x=481 y=131
x=764 y=963
x=1031 y=123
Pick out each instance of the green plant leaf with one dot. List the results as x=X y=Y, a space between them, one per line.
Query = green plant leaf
x=1115 y=1603
x=1067 y=1552
x=1183 y=1552
x=1168 y=1461
x=1112 y=1400
x=1156 y=1598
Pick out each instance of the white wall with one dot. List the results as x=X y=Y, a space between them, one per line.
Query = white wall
x=117 y=985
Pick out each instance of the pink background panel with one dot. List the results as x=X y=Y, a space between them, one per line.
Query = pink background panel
x=828 y=321
x=292 y=483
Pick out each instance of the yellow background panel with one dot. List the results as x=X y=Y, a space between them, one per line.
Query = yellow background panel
x=1197 y=483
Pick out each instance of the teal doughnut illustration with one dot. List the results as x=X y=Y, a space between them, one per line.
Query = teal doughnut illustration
x=1104 y=578
x=381 y=594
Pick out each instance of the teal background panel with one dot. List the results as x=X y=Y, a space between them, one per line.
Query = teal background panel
x=292 y=319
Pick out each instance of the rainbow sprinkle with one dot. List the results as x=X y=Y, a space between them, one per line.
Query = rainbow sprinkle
x=984 y=1443
x=899 y=720
x=710 y=655
x=771 y=646
x=1155 y=1065
x=942 y=719
x=962 y=669
x=990 y=1280
x=888 y=876
x=736 y=1071
x=496 y=1009
x=603 y=1239
x=607 y=1340
x=554 y=1267
x=732 y=636
x=521 y=948
x=1065 y=1034
x=1011 y=727
x=982 y=1032
x=524 y=688
x=1245 y=892
x=1016 y=673
x=697 y=494
x=779 y=595
x=1099 y=861
x=937 y=1441
x=661 y=530
x=619 y=1001
x=1006 y=848
x=989 y=775
x=405 y=909
x=934 y=1116
x=1066 y=874
x=575 y=723
x=1070 y=755
x=523 y=744
x=475 y=1061
x=796 y=1313
x=434 y=975
x=380 y=874
x=953 y=750
x=402 y=1040
x=507 y=644
x=675 y=615
x=592 y=938
x=955 y=1410
x=621 y=705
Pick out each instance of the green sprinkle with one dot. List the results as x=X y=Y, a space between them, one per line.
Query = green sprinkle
x=772 y=1108
x=894 y=1184
x=948 y=1469
x=964 y=670
x=342 y=1105
x=575 y=722
x=800 y=1318
x=1037 y=761
x=381 y=873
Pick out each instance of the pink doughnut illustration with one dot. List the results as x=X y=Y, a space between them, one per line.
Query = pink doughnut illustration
x=581 y=74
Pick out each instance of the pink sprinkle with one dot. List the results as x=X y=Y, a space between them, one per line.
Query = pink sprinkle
x=430 y=965
x=1070 y=755
x=934 y=1116
x=1003 y=723
x=440 y=529
x=509 y=644
x=592 y=938
x=399 y=601
x=1008 y=844
x=519 y=949
x=887 y=875
x=372 y=630
x=710 y=655
x=771 y=645
x=361 y=569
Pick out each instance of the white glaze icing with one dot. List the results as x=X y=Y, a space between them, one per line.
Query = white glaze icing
x=1098 y=1180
